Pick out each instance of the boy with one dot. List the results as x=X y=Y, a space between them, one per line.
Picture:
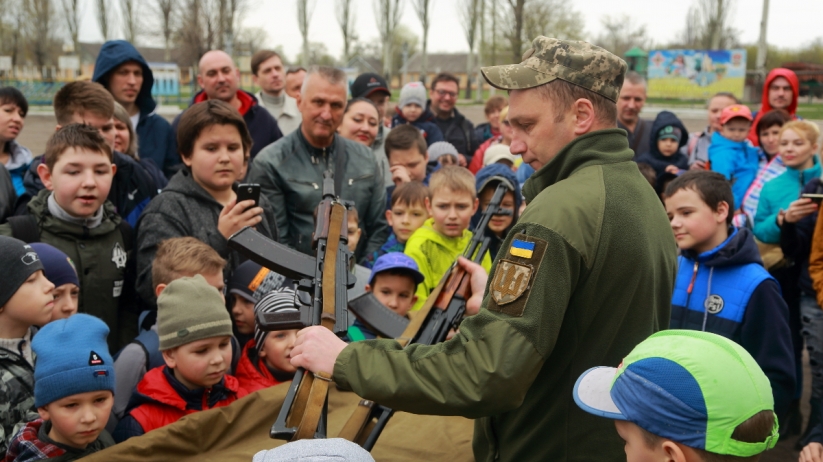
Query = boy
x=731 y=155
x=176 y=258
x=60 y=271
x=195 y=338
x=721 y=286
x=25 y=301
x=73 y=392
x=411 y=109
x=488 y=178
x=406 y=214
x=73 y=215
x=265 y=361
x=684 y=396
x=668 y=135
x=408 y=157
x=393 y=281
x=248 y=284
x=443 y=237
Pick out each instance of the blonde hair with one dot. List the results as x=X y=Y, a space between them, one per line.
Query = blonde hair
x=457 y=179
x=122 y=115
x=503 y=114
x=181 y=257
x=803 y=128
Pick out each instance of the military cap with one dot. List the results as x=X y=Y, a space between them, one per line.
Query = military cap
x=576 y=62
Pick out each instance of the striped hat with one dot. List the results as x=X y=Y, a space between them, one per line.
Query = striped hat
x=281 y=299
x=189 y=309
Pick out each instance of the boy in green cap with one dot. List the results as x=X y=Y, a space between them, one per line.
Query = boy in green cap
x=684 y=396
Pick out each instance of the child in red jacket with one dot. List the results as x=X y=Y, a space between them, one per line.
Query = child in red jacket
x=266 y=358
x=195 y=337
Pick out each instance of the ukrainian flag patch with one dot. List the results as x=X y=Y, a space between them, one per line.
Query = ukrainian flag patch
x=522 y=249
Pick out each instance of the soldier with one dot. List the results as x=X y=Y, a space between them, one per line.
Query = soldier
x=560 y=299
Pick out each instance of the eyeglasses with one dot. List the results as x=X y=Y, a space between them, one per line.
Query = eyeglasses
x=444 y=93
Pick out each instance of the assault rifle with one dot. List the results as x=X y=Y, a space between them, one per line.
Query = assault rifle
x=443 y=311
x=321 y=297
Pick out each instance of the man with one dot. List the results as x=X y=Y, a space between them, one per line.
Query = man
x=126 y=75
x=268 y=74
x=780 y=91
x=629 y=105
x=219 y=79
x=457 y=130
x=559 y=301
x=294 y=81
x=374 y=87
x=290 y=172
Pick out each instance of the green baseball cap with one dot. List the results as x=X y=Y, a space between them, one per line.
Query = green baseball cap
x=691 y=387
x=576 y=62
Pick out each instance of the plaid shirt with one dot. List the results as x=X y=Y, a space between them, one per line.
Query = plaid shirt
x=26 y=445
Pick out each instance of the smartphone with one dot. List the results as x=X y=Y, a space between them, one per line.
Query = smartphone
x=248 y=191
x=816 y=198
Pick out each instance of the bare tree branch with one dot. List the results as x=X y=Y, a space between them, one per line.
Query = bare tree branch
x=129 y=10
x=103 y=18
x=422 y=9
x=620 y=34
x=347 y=20
x=387 y=14
x=73 y=14
x=469 y=12
x=304 y=12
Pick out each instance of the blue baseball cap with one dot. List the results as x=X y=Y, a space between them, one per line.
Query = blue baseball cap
x=396 y=260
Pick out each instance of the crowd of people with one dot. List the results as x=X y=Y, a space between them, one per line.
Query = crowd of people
x=123 y=308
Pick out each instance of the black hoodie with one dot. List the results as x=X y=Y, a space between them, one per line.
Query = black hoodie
x=657 y=160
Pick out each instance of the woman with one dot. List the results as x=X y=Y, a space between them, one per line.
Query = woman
x=360 y=122
x=125 y=141
x=16 y=158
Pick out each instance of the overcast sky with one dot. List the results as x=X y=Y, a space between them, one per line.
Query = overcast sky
x=791 y=24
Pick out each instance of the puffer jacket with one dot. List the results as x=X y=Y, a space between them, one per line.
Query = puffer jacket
x=252 y=372
x=776 y=195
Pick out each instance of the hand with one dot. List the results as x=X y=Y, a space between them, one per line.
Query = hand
x=316 y=349
x=478 y=284
x=672 y=169
x=698 y=165
x=799 y=210
x=235 y=217
x=461 y=160
x=813 y=452
x=399 y=175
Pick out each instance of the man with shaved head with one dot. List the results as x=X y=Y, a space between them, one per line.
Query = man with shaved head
x=219 y=79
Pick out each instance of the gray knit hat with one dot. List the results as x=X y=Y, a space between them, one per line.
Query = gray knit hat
x=440 y=148
x=189 y=309
x=19 y=262
x=322 y=450
x=412 y=92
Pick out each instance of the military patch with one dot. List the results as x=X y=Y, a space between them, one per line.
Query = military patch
x=522 y=249
x=510 y=281
x=118 y=256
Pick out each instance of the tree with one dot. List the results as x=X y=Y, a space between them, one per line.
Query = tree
x=481 y=49
x=164 y=10
x=469 y=13
x=304 y=12
x=690 y=36
x=716 y=14
x=620 y=34
x=422 y=9
x=252 y=39
x=387 y=14
x=129 y=10
x=42 y=24
x=73 y=13
x=103 y=18
x=552 y=18
x=347 y=21
x=318 y=54
x=515 y=33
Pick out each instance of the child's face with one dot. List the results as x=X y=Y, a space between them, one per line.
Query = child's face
x=243 y=313
x=770 y=139
x=80 y=180
x=276 y=351
x=405 y=219
x=411 y=112
x=695 y=225
x=499 y=223
x=395 y=291
x=104 y=125
x=77 y=420
x=452 y=211
x=122 y=137
x=65 y=301
x=736 y=129
x=412 y=160
x=797 y=151
x=637 y=450
x=200 y=364
x=354 y=232
x=32 y=304
x=218 y=159
x=667 y=146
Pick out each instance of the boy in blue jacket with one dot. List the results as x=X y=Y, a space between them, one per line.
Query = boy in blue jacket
x=721 y=285
x=731 y=155
x=411 y=109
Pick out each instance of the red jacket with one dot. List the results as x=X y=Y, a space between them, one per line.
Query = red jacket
x=163 y=405
x=477 y=161
x=766 y=107
x=253 y=376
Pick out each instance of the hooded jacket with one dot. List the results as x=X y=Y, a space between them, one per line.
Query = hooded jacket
x=19 y=160
x=154 y=135
x=33 y=443
x=738 y=161
x=160 y=399
x=434 y=254
x=184 y=208
x=654 y=157
x=764 y=104
x=430 y=131
x=7 y=195
x=458 y=131
x=483 y=176
x=252 y=373
x=727 y=291
x=16 y=389
x=261 y=124
x=776 y=195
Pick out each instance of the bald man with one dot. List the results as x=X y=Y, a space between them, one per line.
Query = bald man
x=219 y=79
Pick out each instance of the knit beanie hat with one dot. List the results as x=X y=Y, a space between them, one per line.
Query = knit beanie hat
x=72 y=357
x=669 y=132
x=440 y=148
x=58 y=266
x=412 y=92
x=320 y=450
x=251 y=281
x=189 y=309
x=19 y=262
x=281 y=299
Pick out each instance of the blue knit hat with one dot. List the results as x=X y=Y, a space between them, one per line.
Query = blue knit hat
x=57 y=266
x=72 y=358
